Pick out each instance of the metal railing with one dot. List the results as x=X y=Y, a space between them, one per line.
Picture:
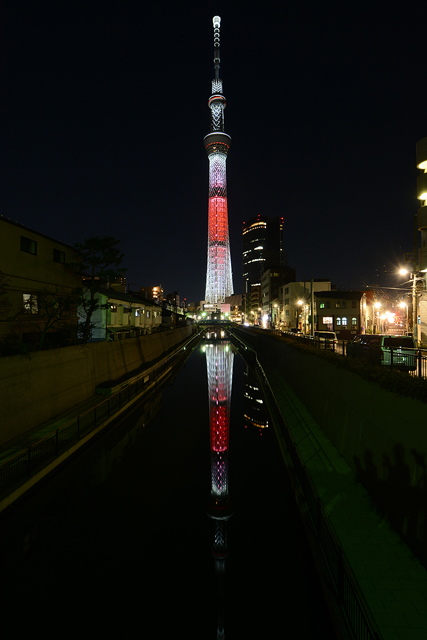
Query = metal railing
x=413 y=361
x=345 y=584
x=30 y=460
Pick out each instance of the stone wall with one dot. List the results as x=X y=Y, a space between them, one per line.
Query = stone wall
x=381 y=435
x=37 y=387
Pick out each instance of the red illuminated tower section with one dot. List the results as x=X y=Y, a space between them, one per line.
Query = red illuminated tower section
x=219 y=362
x=219 y=282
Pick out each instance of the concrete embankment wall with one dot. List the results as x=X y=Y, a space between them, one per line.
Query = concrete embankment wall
x=35 y=388
x=381 y=435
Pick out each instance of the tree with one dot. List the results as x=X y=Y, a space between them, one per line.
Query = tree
x=54 y=308
x=100 y=265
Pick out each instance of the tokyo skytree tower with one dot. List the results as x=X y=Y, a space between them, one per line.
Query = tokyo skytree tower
x=219 y=283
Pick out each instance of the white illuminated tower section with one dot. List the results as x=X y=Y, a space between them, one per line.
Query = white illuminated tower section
x=219 y=283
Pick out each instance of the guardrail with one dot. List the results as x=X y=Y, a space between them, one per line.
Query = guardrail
x=27 y=462
x=345 y=584
x=415 y=359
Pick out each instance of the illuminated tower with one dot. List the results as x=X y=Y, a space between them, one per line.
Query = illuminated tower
x=219 y=282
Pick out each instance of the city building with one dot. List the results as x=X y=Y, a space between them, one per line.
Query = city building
x=152 y=293
x=36 y=285
x=295 y=303
x=262 y=239
x=122 y=315
x=219 y=282
x=271 y=281
x=262 y=248
x=341 y=311
x=419 y=294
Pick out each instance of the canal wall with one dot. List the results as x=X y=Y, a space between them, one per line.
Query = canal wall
x=381 y=435
x=36 y=387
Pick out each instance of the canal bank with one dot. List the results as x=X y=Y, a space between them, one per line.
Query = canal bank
x=123 y=536
x=390 y=579
x=31 y=456
x=38 y=386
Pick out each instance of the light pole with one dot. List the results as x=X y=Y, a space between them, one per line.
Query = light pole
x=414 y=278
x=301 y=303
x=403 y=305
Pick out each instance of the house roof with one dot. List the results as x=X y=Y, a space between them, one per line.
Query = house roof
x=112 y=294
x=43 y=235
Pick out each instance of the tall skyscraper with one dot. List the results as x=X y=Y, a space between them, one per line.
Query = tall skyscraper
x=219 y=283
x=262 y=248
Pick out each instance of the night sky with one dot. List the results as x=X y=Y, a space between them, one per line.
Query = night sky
x=104 y=110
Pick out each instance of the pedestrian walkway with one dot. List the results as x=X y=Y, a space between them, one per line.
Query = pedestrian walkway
x=391 y=579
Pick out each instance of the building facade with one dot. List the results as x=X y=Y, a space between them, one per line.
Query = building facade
x=419 y=298
x=262 y=248
x=341 y=311
x=295 y=303
x=37 y=284
x=219 y=282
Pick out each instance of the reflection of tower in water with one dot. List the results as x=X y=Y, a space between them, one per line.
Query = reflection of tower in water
x=219 y=363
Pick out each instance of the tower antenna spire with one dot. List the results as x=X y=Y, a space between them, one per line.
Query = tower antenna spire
x=217 y=26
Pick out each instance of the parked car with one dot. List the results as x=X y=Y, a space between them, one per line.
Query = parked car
x=327 y=339
x=387 y=350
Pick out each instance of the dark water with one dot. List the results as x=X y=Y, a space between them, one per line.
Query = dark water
x=119 y=542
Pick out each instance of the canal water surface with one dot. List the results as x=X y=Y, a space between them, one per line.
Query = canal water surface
x=176 y=522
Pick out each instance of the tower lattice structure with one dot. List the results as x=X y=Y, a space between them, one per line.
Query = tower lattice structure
x=219 y=281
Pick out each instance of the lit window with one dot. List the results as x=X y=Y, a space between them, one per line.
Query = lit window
x=322 y=305
x=338 y=322
x=344 y=322
x=30 y=303
x=29 y=246
x=327 y=320
x=113 y=308
x=137 y=313
x=354 y=322
x=338 y=305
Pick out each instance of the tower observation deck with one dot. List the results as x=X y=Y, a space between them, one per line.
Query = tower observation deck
x=219 y=283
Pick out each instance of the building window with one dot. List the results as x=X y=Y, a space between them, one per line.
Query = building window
x=354 y=322
x=338 y=305
x=327 y=304
x=343 y=305
x=344 y=322
x=322 y=305
x=338 y=322
x=286 y=291
x=58 y=256
x=286 y=302
x=113 y=308
x=30 y=303
x=148 y=314
x=328 y=321
x=137 y=313
x=29 y=246
x=287 y=313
